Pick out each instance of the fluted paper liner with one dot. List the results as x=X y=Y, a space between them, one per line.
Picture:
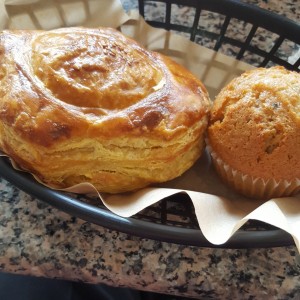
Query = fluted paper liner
x=219 y=210
x=253 y=186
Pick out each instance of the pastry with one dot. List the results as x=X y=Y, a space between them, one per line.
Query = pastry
x=254 y=133
x=92 y=105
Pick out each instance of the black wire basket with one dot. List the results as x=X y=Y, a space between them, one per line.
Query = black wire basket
x=173 y=219
x=261 y=38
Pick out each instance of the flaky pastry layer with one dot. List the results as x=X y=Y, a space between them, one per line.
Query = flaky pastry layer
x=91 y=105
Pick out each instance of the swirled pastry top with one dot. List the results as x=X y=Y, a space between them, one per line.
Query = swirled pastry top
x=97 y=83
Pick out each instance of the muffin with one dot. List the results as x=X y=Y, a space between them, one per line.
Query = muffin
x=254 y=133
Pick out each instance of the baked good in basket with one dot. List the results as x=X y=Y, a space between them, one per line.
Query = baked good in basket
x=91 y=105
x=254 y=133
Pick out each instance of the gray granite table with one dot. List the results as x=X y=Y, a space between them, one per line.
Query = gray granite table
x=40 y=240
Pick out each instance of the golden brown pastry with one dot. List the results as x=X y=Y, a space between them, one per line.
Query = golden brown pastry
x=91 y=105
x=254 y=133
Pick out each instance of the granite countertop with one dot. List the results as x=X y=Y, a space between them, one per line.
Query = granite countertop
x=39 y=240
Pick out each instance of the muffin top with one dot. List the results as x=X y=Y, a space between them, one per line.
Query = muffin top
x=255 y=124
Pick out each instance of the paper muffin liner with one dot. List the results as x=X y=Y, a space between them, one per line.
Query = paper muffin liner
x=250 y=186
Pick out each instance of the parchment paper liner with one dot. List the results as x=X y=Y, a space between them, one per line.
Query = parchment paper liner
x=254 y=187
x=218 y=217
x=219 y=211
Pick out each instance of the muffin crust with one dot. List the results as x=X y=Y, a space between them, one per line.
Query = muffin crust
x=255 y=124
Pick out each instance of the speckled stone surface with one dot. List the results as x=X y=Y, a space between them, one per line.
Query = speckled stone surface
x=40 y=240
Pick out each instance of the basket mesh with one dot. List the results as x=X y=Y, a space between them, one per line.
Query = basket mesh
x=259 y=38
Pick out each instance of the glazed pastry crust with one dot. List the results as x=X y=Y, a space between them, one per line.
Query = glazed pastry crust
x=91 y=105
x=255 y=124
